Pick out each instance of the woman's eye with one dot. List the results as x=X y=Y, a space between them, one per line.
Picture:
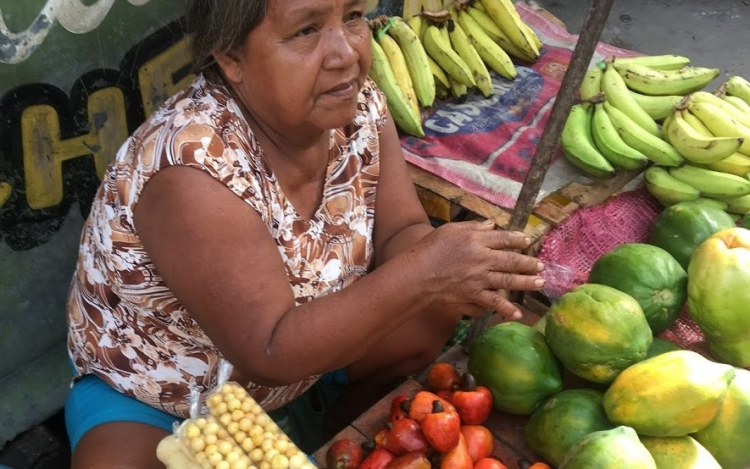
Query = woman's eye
x=354 y=16
x=306 y=31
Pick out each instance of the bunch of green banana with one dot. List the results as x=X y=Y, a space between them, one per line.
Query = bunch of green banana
x=711 y=131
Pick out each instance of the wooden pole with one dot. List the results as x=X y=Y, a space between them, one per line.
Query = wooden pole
x=550 y=139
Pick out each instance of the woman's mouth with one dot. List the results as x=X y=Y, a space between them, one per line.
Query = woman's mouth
x=343 y=90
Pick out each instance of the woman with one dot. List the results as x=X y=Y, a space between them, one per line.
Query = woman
x=265 y=215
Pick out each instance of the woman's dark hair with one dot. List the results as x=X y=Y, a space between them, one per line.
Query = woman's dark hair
x=219 y=26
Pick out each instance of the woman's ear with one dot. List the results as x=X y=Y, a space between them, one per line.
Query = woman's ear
x=230 y=66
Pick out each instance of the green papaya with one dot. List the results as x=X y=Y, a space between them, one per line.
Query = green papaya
x=597 y=331
x=618 y=448
x=562 y=420
x=673 y=394
x=682 y=227
x=660 y=289
x=659 y=346
x=679 y=453
x=514 y=361
x=727 y=437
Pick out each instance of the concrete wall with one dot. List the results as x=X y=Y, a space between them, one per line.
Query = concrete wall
x=76 y=77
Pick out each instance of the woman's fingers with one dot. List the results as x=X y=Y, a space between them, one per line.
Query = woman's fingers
x=499 y=239
x=514 y=282
x=513 y=262
x=498 y=302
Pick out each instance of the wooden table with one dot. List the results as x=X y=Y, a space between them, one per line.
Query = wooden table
x=507 y=429
x=445 y=201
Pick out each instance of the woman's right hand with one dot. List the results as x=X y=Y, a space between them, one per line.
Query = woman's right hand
x=471 y=263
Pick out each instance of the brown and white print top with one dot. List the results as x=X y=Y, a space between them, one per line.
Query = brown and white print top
x=126 y=327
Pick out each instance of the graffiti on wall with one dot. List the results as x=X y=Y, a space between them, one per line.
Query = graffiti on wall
x=73 y=15
x=54 y=146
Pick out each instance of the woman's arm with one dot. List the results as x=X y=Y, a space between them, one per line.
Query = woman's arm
x=217 y=257
x=400 y=219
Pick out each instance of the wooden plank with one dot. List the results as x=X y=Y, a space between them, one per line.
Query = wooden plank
x=598 y=192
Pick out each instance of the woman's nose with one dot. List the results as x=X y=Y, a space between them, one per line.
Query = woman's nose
x=341 y=49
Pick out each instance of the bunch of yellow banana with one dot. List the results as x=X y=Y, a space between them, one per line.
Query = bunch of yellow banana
x=712 y=133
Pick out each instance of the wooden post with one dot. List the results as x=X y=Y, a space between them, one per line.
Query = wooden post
x=550 y=139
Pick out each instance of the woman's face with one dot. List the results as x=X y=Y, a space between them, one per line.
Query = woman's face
x=304 y=64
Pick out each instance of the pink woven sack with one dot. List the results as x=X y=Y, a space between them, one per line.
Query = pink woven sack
x=570 y=250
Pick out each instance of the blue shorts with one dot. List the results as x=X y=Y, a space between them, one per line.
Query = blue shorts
x=92 y=402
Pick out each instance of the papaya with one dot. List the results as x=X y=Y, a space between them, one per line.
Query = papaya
x=679 y=453
x=618 y=448
x=680 y=228
x=562 y=420
x=660 y=288
x=673 y=394
x=718 y=294
x=597 y=331
x=659 y=346
x=515 y=363
x=727 y=437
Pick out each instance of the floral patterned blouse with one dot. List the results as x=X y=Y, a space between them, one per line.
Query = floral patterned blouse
x=126 y=327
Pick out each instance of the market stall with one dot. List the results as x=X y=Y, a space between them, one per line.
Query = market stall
x=636 y=354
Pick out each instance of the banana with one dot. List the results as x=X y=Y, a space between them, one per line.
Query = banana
x=665 y=127
x=495 y=33
x=441 y=91
x=655 y=149
x=400 y=69
x=711 y=203
x=697 y=148
x=417 y=24
x=738 y=205
x=720 y=123
x=710 y=183
x=666 y=189
x=736 y=114
x=398 y=105
x=738 y=86
x=657 y=107
x=491 y=53
x=610 y=144
x=439 y=48
x=663 y=82
x=465 y=49
x=532 y=34
x=737 y=164
x=738 y=103
x=696 y=123
x=505 y=15
x=657 y=62
x=458 y=90
x=619 y=96
x=591 y=86
x=578 y=146
x=438 y=73
x=416 y=60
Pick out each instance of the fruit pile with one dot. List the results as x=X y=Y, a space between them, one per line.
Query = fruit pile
x=437 y=54
x=654 y=110
x=637 y=401
x=438 y=427
x=237 y=434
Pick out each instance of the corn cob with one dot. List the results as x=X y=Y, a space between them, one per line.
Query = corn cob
x=237 y=434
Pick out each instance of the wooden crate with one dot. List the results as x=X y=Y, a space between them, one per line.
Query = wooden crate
x=445 y=201
x=507 y=429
